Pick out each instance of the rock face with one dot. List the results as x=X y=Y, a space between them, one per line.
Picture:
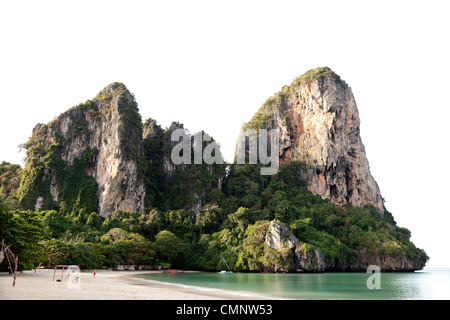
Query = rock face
x=309 y=259
x=318 y=121
x=298 y=256
x=278 y=235
x=305 y=257
x=110 y=128
x=387 y=263
x=100 y=157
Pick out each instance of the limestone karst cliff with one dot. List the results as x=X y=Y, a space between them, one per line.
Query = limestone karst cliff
x=318 y=124
x=319 y=212
x=87 y=157
x=304 y=257
x=100 y=157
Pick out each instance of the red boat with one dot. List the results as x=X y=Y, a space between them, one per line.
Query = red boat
x=174 y=271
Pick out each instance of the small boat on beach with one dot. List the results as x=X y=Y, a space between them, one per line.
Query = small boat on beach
x=174 y=271
x=228 y=268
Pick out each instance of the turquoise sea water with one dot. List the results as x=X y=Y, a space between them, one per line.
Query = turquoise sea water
x=427 y=284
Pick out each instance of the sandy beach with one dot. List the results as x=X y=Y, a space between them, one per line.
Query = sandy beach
x=106 y=285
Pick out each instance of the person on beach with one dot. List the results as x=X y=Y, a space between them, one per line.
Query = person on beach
x=95 y=273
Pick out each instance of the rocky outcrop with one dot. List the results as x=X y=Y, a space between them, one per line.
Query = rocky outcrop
x=305 y=257
x=318 y=124
x=151 y=129
x=111 y=127
x=387 y=263
x=297 y=256
x=278 y=236
x=309 y=259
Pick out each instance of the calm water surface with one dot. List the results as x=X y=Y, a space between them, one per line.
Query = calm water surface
x=426 y=284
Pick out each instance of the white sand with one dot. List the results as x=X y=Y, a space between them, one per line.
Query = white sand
x=106 y=285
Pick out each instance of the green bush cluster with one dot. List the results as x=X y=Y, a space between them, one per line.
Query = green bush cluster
x=9 y=181
x=49 y=238
x=186 y=185
x=316 y=74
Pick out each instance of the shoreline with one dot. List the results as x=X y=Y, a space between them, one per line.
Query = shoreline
x=106 y=285
x=217 y=293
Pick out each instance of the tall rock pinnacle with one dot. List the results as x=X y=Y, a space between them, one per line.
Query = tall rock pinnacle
x=87 y=157
x=319 y=124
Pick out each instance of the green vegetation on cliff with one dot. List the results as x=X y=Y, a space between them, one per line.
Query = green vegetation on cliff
x=76 y=189
x=195 y=216
x=61 y=154
x=316 y=74
x=231 y=225
x=9 y=182
x=169 y=186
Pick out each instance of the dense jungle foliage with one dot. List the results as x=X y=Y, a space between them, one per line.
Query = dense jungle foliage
x=230 y=226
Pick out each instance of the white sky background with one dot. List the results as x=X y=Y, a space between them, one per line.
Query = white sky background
x=211 y=65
